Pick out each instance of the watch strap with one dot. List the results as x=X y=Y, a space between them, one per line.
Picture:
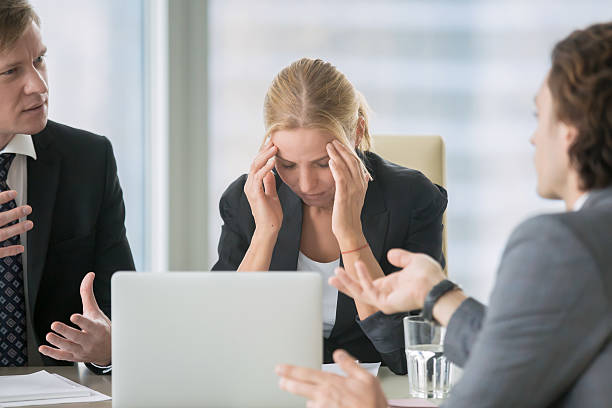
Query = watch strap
x=434 y=294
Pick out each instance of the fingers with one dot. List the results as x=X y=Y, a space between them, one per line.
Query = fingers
x=260 y=160
x=7 y=196
x=351 y=287
x=84 y=323
x=360 y=289
x=349 y=366
x=399 y=257
x=371 y=293
x=269 y=182
x=303 y=381
x=342 y=153
x=255 y=180
x=365 y=280
x=263 y=161
x=367 y=286
x=264 y=171
x=90 y=305
x=7 y=217
x=303 y=374
x=337 y=283
x=63 y=344
x=57 y=354
x=70 y=333
x=14 y=230
x=11 y=250
x=296 y=387
x=337 y=164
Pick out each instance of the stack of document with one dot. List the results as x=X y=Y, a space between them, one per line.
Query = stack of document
x=43 y=388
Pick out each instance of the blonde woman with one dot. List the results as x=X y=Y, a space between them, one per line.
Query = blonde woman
x=316 y=198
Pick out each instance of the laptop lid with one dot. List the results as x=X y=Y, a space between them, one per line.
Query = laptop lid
x=212 y=339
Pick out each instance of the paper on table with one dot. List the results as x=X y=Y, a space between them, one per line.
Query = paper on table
x=371 y=368
x=35 y=386
x=89 y=394
x=410 y=403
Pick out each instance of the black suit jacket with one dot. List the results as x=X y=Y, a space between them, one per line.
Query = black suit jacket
x=78 y=215
x=402 y=209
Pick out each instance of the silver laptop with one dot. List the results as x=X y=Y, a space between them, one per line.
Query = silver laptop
x=201 y=339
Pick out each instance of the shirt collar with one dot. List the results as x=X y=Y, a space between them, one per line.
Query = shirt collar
x=21 y=144
x=580 y=201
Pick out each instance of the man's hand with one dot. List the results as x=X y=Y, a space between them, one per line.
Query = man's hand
x=400 y=291
x=6 y=217
x=359 y=389
x=91 y=344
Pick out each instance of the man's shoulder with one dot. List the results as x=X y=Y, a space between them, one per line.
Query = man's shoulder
x=65 y=137
x=566 y=243
x=570 y=225
x=546 y=231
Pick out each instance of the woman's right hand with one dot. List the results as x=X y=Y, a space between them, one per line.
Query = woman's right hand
x=260 y=189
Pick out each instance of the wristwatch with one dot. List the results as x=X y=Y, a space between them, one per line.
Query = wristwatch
x=434 y=294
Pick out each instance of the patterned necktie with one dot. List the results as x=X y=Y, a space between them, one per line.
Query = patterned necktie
x=13 y=346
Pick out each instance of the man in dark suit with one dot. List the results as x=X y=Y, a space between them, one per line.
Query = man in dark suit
x=65 y=181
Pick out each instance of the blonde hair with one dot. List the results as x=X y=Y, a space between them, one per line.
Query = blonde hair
x=311 y=93
x=15 y=17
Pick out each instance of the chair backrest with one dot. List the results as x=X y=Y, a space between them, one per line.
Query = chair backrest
x=423 y=153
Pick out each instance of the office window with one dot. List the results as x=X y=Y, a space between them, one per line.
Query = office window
x=465 y=70
x=96 y=74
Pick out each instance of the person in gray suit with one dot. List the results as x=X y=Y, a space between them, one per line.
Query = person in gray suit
x=546 y=338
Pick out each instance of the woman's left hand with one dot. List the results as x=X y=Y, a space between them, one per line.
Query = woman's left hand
x=351 y=186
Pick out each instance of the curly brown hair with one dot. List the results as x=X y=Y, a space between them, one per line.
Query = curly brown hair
x=580 y=81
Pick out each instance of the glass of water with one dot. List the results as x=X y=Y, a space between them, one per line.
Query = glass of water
x=429 y=371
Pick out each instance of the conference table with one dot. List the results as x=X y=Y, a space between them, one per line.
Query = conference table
x=395 y=386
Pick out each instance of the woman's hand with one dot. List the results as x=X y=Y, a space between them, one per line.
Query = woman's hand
x=351 y=186
x=260 y=189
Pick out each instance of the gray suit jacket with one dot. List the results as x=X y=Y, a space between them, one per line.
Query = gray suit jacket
x=546 y=339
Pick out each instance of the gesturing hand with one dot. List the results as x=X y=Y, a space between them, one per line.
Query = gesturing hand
x=92 y=343
x=260 y=189
x=8 y=231
x=400 y=291
x=351 y=185
x=358 y=389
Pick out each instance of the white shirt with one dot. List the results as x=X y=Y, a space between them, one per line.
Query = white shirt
x=580 y=201
x=17 y=179
x=330 y=294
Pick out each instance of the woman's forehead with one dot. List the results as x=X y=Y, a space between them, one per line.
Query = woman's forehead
x=301 y=144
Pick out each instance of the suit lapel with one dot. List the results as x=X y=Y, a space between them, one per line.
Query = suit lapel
x=43 y=177
x=375 y=220
x=286 y=250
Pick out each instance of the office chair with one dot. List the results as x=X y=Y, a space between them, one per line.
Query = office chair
x=423 y=153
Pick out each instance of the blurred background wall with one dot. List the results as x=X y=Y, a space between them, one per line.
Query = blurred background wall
x=178 y=87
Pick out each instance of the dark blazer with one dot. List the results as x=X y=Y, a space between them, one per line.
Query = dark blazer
x=402 y=209
x=78 y=215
